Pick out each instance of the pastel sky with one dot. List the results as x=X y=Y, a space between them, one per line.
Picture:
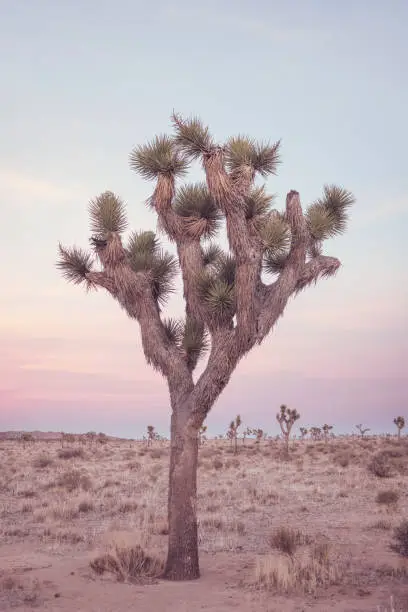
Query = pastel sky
x=84 y=81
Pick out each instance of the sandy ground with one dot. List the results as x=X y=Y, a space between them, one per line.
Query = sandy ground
x=58 y=513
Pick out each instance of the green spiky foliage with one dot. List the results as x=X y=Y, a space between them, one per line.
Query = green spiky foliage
x=325 y=218
x=199 y=212
x=258 y=205
x=211 y=253
x=286 y=418
x=189 y=336
x=262 y=158
x=145 y=255
x=216 y=287
x=192 y=136
x=400 y=423
x=107 y=214
x=75 y=264
x=328 y=216
x=160 y=156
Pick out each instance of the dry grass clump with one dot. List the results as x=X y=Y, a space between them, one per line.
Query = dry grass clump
x=380 y=466
x=303 y=573
x=42 y=461
x=287 y=540
x=401 y=539
x=128 y=563
x=74 y=479
x=388 y=497
x=71 y=453
x=381 y=525
x=15 y=592
x=342 y=459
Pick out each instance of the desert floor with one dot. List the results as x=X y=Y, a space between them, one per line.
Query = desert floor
x=62 y=508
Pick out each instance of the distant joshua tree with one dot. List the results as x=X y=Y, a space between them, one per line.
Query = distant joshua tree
x=326 y=430
x=303 y=432
x=286 y=419
x=362 y=430
x=27 y=437
x=316 y=433
x=151 y=435
x=201 y=434
x=232 y=432
x=231 y=305
x=400 y=423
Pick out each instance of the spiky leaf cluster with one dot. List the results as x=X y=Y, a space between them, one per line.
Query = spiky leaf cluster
x=191 y=136
x=216 y=287
x=74 y=264
x=145 y=255
x=328 y=216
x=107 y=214
x=197 y=208
x=257 y=204
x=243 y=151
x=190 y=336
x=159 y=156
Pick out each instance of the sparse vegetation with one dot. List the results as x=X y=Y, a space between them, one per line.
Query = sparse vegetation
x=263 y=519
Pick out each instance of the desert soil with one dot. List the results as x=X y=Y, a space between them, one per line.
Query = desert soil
x=60 y=508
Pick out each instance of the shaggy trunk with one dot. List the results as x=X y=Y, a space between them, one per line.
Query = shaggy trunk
x=182 y=557
x=399 y=433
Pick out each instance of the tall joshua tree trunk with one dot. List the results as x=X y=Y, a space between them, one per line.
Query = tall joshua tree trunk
x=229 y=307
x=182 y=557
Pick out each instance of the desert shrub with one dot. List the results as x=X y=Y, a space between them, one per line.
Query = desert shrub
x=73 y=479
x=381 y=524
x=85 y=506
x=342 y=459
x=317 y=568
x=287 y=540
x=127 y=506
x=71 y=453
x=217 y=464
x=127 y=564
x=401 y=538
x=388 y=496
x=380 y=466
x=157 y=453
x=42 y=462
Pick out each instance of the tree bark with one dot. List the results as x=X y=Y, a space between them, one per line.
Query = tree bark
x=182 y=556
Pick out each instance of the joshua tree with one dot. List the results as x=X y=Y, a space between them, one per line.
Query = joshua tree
x=201 y=434
x=316 y=433
x=303 y=432
x=258 y=433
x=362 y=430
x=326 y=430
x=229 y=305
x=400 y=423
x=27 y=437
x=247 y=432
x=151 y=435
x=286 y=419
x=233 y=431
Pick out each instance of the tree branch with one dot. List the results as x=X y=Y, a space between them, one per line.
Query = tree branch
x=276 y=296
x=245 y=244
